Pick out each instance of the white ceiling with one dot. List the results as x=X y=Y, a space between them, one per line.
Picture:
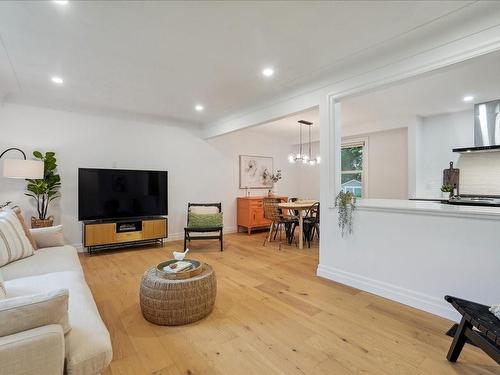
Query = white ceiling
x=288 y=128
x=159 y=59
x=439 y=92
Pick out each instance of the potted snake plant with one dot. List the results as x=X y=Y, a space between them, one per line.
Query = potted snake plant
x=44 y=190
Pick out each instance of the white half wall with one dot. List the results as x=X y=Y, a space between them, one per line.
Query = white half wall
x=199 y=171
x=415 y=258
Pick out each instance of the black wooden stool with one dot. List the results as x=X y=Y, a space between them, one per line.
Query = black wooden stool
x=478 y=325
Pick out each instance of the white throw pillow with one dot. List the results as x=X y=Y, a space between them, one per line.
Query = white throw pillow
x=14 y=244
x=204 y=209
x=19 y=314
x=48 y=237
x=3 y=293
x=495 y=310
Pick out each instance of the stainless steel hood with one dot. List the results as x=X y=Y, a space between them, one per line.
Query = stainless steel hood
x=486 y=128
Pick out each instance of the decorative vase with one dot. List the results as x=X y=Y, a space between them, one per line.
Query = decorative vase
x=270 y=193
x=42 y=223
x=275 y=189
x=445 y=195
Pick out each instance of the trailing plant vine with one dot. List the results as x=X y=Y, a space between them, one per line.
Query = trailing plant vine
x=346 y=203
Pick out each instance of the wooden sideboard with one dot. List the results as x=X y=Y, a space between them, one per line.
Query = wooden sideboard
x=250 y=211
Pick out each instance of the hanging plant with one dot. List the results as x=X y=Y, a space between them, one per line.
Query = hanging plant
x=346 y=203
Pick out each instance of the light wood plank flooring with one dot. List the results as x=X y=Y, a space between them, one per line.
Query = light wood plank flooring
x=272 y=316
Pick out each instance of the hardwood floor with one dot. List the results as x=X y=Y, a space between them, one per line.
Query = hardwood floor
x=272 y=316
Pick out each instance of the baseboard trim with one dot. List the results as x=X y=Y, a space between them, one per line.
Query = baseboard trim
x=171 y=237
x=408 y=297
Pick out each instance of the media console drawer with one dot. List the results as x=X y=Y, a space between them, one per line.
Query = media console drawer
x=102 y=234
x=129 y=236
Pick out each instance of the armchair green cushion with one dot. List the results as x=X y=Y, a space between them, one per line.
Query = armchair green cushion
x=205 y=220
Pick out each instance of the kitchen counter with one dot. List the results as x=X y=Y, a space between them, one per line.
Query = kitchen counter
x=429 y=207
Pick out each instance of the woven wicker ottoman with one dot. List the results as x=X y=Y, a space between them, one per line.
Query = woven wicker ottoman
x=176 y=302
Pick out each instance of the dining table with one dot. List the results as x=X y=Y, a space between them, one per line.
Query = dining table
x=301 y=206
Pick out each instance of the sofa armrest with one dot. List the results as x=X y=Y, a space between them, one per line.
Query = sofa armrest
x=36 y=351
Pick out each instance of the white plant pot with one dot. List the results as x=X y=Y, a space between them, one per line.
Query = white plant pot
x=445 y=195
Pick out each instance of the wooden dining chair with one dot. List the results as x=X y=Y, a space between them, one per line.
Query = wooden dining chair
x=311 y=223
x=279 y=222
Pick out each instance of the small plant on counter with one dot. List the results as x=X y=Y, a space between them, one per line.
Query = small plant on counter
x=346 y=203
x=447 y=190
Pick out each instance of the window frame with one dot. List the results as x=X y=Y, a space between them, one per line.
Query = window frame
x=357 y=142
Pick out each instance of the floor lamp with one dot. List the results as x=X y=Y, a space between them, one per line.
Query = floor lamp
x=22 y=168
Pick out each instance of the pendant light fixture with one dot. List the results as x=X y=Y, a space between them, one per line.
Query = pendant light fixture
x=302 y=157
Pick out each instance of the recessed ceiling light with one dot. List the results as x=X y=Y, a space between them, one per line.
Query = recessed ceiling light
x=268 y=72
x=468 y=98
x=57 y=80
x=61 y=2
x=199 y=107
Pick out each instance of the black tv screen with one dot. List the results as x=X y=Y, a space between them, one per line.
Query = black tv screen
x=120 y=193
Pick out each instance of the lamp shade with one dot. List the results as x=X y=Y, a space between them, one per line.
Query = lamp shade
x=19 y=168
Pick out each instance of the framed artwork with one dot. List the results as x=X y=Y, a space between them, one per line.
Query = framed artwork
x=255 y=172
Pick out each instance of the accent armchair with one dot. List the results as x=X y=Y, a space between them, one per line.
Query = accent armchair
x=204 y=222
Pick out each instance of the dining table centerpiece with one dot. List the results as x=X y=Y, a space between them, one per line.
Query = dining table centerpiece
x=274 y=178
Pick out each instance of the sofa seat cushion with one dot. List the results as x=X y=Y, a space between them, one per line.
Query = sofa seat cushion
x=87 y=345
x=47 y=260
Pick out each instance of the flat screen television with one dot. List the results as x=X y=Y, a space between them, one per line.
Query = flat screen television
x=106 y=194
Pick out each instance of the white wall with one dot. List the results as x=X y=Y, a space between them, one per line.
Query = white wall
x=198 y=170
x=438 y=136
x=307 y=175
x=479 y=172
x=387 y=163
x=241 y=143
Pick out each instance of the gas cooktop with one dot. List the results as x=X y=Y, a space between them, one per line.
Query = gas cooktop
x=475 y=200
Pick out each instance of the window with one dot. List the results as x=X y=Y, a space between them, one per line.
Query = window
x=352 y=163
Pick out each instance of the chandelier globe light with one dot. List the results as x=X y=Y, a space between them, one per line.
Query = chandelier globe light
x=305 y=158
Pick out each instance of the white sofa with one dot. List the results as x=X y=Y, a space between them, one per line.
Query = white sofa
x=86 y=349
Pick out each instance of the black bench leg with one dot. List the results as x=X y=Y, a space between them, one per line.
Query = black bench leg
x=185 y=238
x=458 y=341
x=221 y=241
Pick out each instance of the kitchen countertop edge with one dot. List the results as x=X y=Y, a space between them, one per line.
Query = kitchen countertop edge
x=428 y=208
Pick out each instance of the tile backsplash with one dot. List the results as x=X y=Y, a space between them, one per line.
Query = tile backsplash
x=480 y=173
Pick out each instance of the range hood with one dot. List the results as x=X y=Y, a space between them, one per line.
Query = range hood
x=486 y=128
